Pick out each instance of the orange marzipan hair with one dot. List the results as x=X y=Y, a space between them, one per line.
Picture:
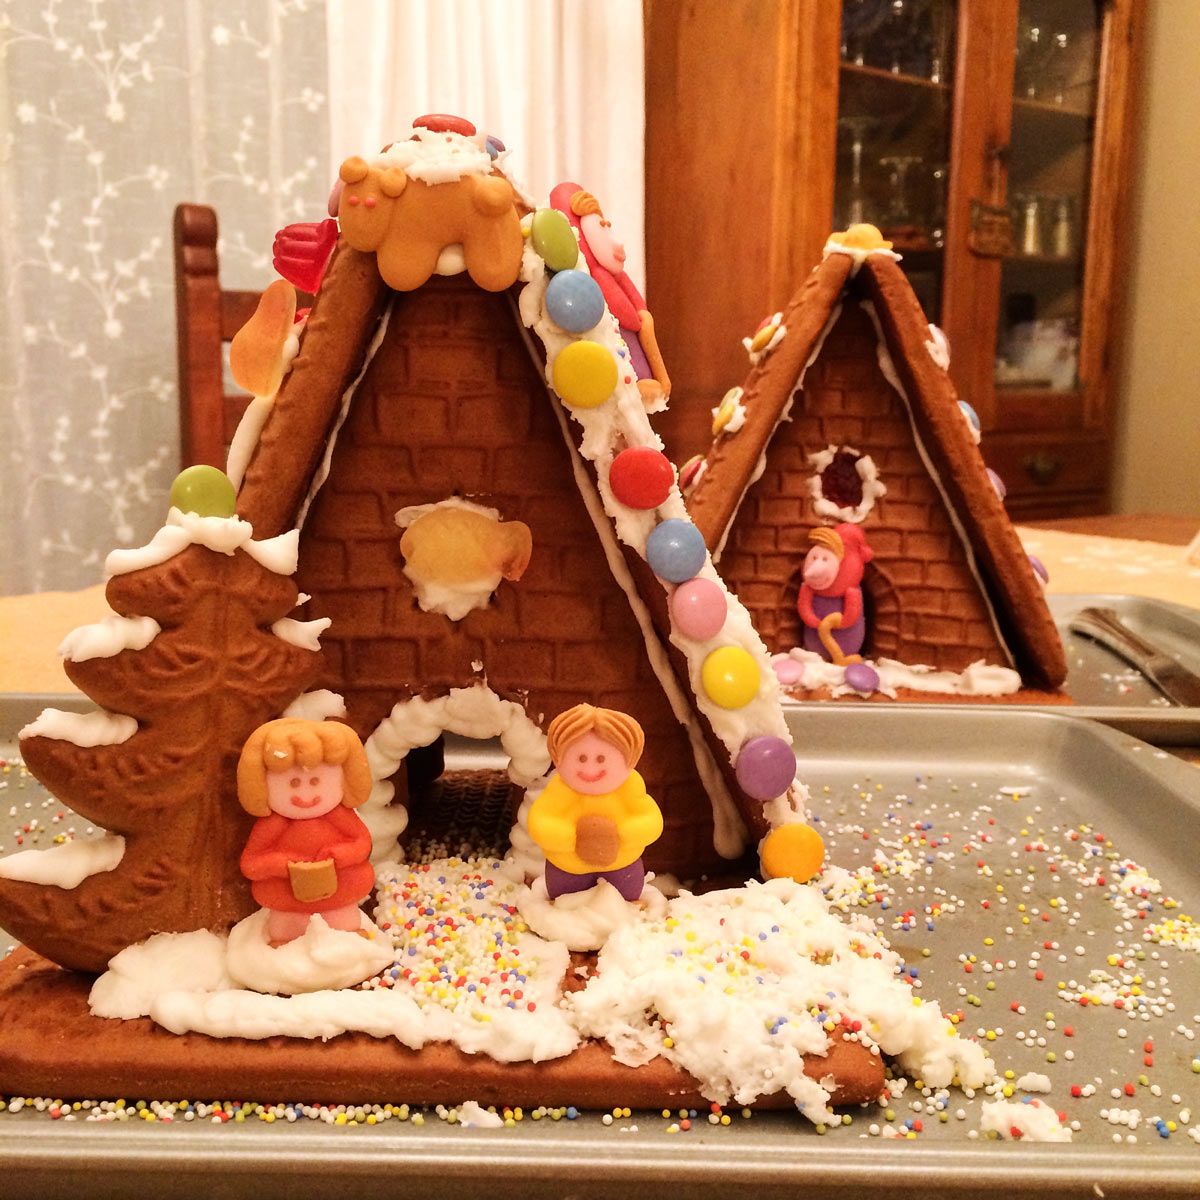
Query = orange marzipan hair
x=293 y=742
x=584 y=204
x=824 y=536
x=616 y=727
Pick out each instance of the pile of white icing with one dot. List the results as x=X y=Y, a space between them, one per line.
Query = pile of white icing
x=979 y=679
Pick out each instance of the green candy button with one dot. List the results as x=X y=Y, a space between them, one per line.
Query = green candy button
x=554 y=239
x=204 y=491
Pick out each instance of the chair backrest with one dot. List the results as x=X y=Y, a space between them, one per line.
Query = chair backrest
x=206 y=318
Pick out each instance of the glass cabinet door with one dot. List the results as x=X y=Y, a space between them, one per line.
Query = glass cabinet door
x=1049 y=169
x=895 y=104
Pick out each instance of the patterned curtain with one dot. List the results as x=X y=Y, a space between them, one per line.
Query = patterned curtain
x=111 y=113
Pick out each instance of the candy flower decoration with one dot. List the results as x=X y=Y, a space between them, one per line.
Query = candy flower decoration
x=594 y=820
x=309 y=851
x=203 y=490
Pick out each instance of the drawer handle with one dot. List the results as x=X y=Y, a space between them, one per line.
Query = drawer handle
x=1042 y=468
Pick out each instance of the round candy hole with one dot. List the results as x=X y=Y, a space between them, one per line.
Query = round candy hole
x=585 y=374
x=574 y=301
x=699 y=608
x=553 y=238
x=205 y=491
x=766 y=766
x=730 y=677
x=675 y=550
x=641 y=477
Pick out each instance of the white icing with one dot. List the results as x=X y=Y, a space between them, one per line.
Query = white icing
x=742 y=1033
x=225 y=535
x=872 y=487
x=137 y=975
x=245 y=438
x=1035 y=1121
x=451 y=260
x=585 y=920
x=938 y=347
x=88 y=730
x=318 y=705
x=474 y=712
x=305 y=634
x=979 y=679
x=858 y=254
x=1033 y=1082
x=436 y=157
x=66 y=865
x=321 y=958
x=451 y=600
x=108 y=637
x=472 y=1115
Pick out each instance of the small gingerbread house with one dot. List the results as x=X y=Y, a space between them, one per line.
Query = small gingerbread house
x=848 y=417
x=461 y=521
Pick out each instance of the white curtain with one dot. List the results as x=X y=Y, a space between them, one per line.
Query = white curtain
x=114 y=111
x=558 y=81
x=111 y=113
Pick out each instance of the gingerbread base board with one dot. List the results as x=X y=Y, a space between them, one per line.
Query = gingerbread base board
x=51 y=1045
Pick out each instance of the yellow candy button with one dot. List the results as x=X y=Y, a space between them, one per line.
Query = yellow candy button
x=793 y=851
x=730 y=677
x=585 y=374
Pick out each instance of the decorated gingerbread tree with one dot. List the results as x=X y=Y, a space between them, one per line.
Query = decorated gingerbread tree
x=199 y=654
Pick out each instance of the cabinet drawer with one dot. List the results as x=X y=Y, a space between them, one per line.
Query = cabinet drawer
x=1032 y=466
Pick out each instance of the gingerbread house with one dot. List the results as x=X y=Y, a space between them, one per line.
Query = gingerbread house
x=848 y=417
x=414 y=402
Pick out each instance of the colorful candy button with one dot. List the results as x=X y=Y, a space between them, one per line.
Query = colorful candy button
x=971 y=415
x=553 y=238
x=792 y=851
x=675 y=550
x=726 y=409
x=691 y=470
x=730 y=677
x=205 y=491
x=997 y=483
x=445 y=123
x=640 y=477
x=574 y=301
x=585 y=374
x=766 y=766
x=1039 y=568
x=862 y=677
x=698 y=609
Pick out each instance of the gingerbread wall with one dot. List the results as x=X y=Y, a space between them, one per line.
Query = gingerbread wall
x=452 y=404
x=924 y=605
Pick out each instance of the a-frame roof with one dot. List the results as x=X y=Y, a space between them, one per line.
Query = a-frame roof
x=943 y=437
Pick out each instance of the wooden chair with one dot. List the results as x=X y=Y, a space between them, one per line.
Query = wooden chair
x=206 y=318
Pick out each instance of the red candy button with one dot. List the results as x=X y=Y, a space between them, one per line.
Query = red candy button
x=445 y=123
x=641 y=477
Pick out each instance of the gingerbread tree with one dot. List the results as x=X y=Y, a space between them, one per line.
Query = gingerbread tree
x=162 y=772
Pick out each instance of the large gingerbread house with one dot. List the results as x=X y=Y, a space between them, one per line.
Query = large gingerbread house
x=848 y=417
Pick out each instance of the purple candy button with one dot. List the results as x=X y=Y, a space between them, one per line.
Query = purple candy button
x=766 y=767
x=861 y=677
x=1039 y=568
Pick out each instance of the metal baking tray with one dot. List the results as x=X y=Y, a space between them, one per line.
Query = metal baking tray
x=882 y=779
x=1105 y=688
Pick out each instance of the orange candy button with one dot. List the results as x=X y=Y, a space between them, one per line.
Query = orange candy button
x=792 y=851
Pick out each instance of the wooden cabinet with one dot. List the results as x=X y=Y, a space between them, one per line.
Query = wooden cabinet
x=991 y=139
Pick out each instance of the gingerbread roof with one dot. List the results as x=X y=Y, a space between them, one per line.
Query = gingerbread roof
x=862 y=303
x=402 y=399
